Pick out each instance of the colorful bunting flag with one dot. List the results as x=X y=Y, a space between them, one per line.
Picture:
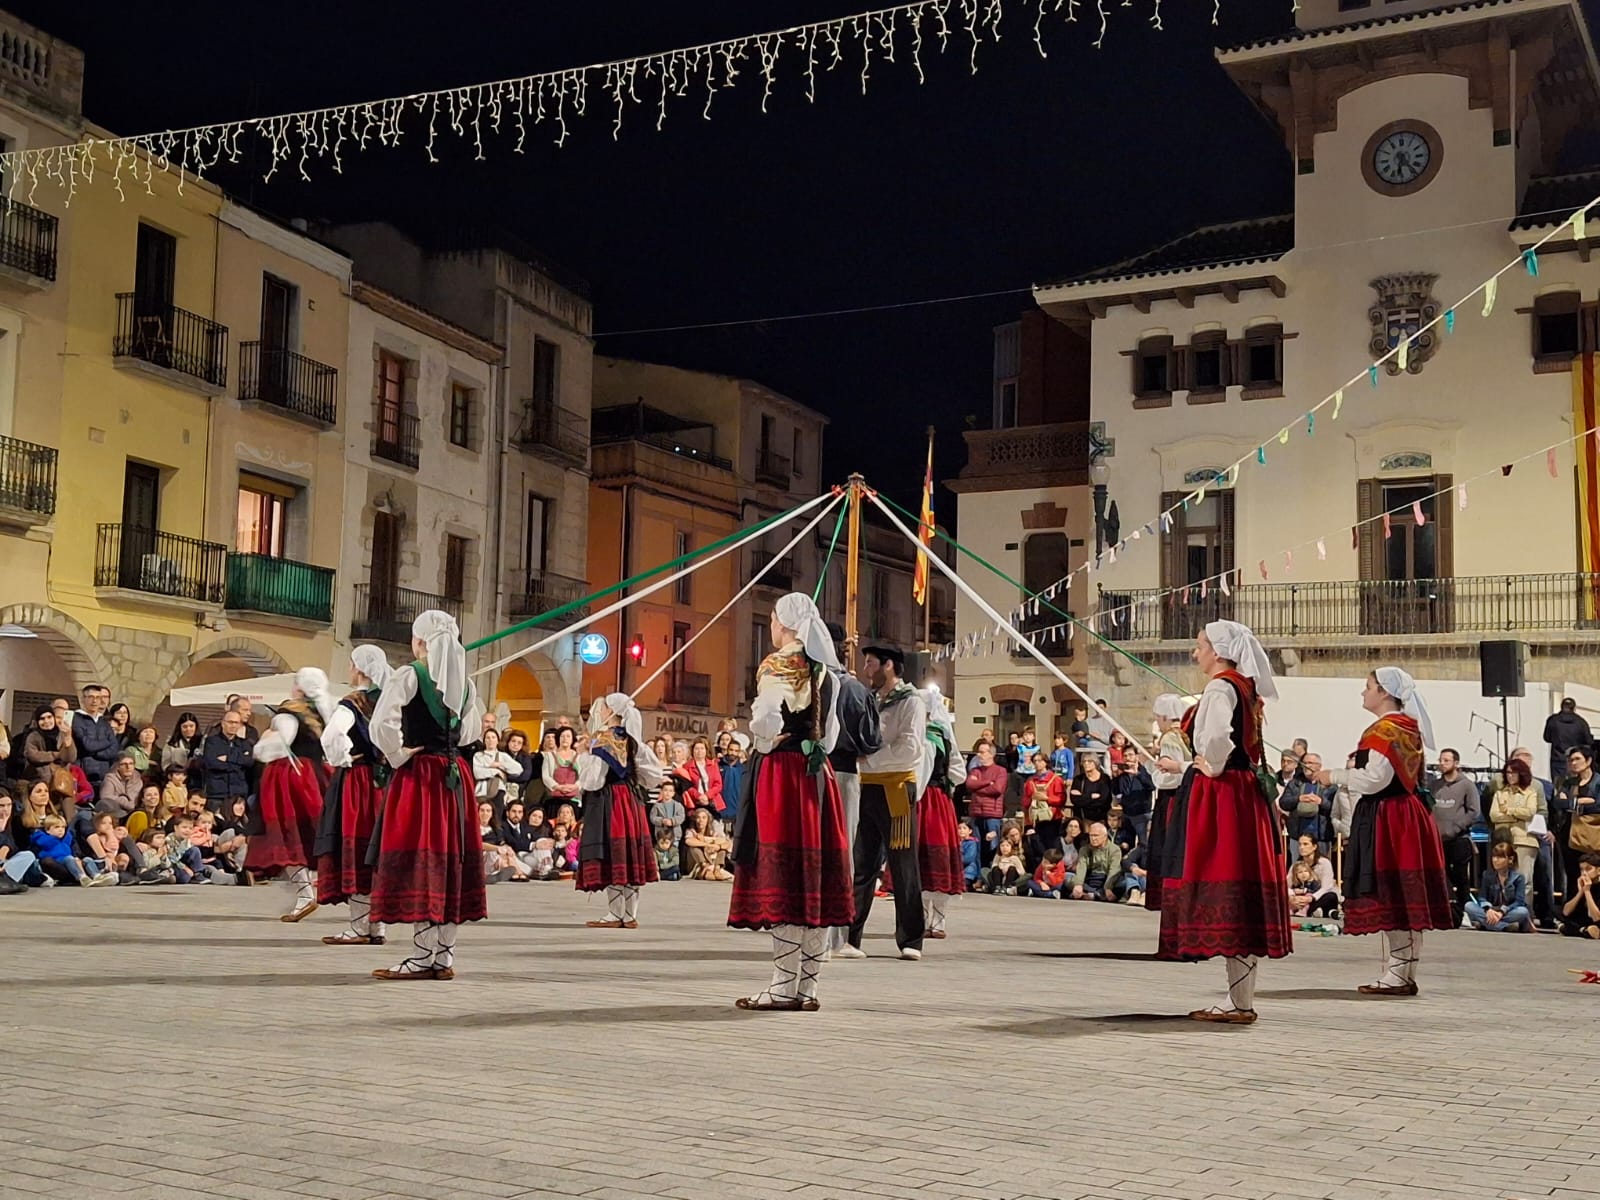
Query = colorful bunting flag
x=1372 y=375
x=1338 y=403
x=1449 y=320
x=1223 y=583
x=1402 y=352
x=1388 y=528
x=1579 y=225
x=1461 y=496
x=1322 y=550
x=1417 y=514
x=1490 y=291
x=1288 y=561
x=1550 y=461
x=1262 y=567
x=1283 y=436
x=1530 y=260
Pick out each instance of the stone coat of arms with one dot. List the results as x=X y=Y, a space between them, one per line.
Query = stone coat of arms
x=1405 y=304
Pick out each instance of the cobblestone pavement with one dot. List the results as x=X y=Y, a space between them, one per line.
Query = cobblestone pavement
x=183 y=1043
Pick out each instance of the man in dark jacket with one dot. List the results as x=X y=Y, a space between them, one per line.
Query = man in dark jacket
x=1566 y=731
x=98 y=744
x=1307 y=808
x=1136 y=793
x=858 y=736
x=227 y=760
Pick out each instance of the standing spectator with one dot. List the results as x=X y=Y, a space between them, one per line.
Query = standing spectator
x=184 y=748
x=986 y=735
x=227 y=759
x=1566 y=731
x=1514 y=805
x=119 y=791
x=705 y=779
x=1091 y=796
x=1081 y=738
x=1099 y=865
x=46 y=747
x=1121 y=750
x=1311 y=887
x=733 y=780
x=1027 y=750
x=1307 y=806
x=1502 y=906
x=667 y=814
x=536 y=796
x=1043 y=797
x=5 y=751
x=1062 y=761
x=146 y=751
x=986 y=799
x=491 y=767
x=98 y=743
x=561 y=773
x=1456 y=809
x=1136 y=794
x=1582 y=799
x=1099 y=726
x=519 y=781
x=1580 y=916
x=1007 y=758
x=121 y=721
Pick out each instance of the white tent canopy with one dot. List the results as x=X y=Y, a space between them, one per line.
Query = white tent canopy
x=267 y=689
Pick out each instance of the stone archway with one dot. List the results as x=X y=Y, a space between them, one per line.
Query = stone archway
x=555 y=697
x=81 y=653
x=261 y=658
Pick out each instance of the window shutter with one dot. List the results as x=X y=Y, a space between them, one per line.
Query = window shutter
x=1172 y=573
x=1225 y=529
x=1368 y=493
x=1444 y=518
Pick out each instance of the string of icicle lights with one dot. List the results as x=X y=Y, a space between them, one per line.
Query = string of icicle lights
x=555 y=99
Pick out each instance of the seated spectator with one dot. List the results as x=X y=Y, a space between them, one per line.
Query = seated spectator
x=57 y=855
x=150 y=812
x=19 y=867
x=1580 y=916
x=1007 y=871
x=1063 y=763
x=119 y=790
x=45 y=746
x=175 y=795
x=183 y=858
x=1120 y=830
x=522 y=839
x=226 y=848
x=1099 y=865
x=1072 y=837
x=158 y=868
x=705 y=848
x=146 y=751
x=564 y=840
x=1311 y=887
x=1135 y=878
x=1119 y=752
x=1082 y=739
x=1049 y=876
x=38 y=802
x=1502 y=903
x=667 y=858
x=106 y=850
x=971 y=855
x=500 y=861
x=667 y=814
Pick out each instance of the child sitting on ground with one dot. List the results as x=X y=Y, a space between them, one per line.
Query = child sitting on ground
x=667 y=857
x=175 y=796
x=54 y=850
x=1049 y=875
x=153 y=848
x=105 y=848
x=971 y=855
x=183 y=858
x=1007 y=872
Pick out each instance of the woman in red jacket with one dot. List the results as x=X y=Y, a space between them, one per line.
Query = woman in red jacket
x=986 y=799
x=1043 y=795
x=704 y=779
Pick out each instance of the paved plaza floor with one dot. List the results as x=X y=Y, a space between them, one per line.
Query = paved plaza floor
x=181 y=1042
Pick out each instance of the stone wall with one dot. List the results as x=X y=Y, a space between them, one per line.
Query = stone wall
x=143 y=661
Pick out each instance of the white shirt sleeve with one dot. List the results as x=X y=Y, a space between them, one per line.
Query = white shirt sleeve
x=484 y=763
x=592 y=771
x=471 y=715
x=1364 y=781
x=647 y=768
x=766 y=711
x=1213 y=726
x=905 y=733
x=1170 y=747
x=337 y=747
x=399 y=691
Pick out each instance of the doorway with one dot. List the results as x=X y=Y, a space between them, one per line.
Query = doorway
x=141 y=514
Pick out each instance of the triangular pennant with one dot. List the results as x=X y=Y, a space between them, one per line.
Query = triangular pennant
x=1417 y=515
x=1262 y=567
x=1205 y=588
x=1506 y=470
x=1166 y=522
x=1283 y=436
x=1322 y=550
x=1134 y=536
x=1150 y=529
x=1338 y=403
x=1223 y=584
x=1580 y=225
x=1288 y=561
x=1388 y=527
x=1530 y=260
x=1355 y=537
x=1550 y=461
x=1186 y=595
x=1461 y=496
x=1372 y=375
x=1402 y=353
x=1490 y=291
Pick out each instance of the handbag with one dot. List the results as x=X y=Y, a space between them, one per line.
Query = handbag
x=1039 y=810
x=1584 y=836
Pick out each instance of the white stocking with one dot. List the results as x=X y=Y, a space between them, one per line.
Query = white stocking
x=360 y=914
x=786 y=943
x=304 y=882
x=630 y=903
x=934 y=907
x=444 y=938
x=424 y=949
x=813 y=953
x=1242 y=982
x=616 y=903
x=1402 y=949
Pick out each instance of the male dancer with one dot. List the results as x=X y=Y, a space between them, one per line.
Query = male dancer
x=858 y=735
x=890 y=779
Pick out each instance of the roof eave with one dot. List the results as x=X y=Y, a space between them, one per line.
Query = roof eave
x=1120 y=290
x=1401 y=23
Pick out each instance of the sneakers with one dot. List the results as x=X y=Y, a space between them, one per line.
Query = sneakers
x=86 y=881
x=104 y=879
x=910 y=953
x=48 y=882
x=849 y=951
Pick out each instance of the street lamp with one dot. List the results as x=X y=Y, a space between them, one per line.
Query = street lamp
x=1099 y=473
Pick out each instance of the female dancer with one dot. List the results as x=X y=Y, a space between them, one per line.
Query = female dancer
x=292 y=781
x=1227 y=898
x=428 y=868
x=1395 y=882
x=1174 y=753
x=350 y=809
x=791 y=849
x=616 y=853
x=938 y=843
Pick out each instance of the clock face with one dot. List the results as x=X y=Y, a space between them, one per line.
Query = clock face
x=1402 y=157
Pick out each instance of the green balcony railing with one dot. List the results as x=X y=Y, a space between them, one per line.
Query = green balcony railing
x=281 y=586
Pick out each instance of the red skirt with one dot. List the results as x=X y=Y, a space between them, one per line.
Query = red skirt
x=349 y=815
x=939 y=845
x=1412 y=891
x=291 y=806
x=628 y=855
x=429 y=864
x=798 y=870
x=1230 y=897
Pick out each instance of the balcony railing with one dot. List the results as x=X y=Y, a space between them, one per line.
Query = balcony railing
x=544 y=590
x=1028 y=450
x=167 y=336
x=27 y=239
x=162 y=564
x=280 y=586
x=780 y=577
x=385 y=614
x=546 y=426
x=1362 y=608
x=289 y=381
x=688 y=687
x=774 y=468
x=1044 y=629
x=396 y=436
x=27 y=477
x=941 y=631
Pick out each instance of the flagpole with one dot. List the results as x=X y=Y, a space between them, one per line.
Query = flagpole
x=927 y=591
x=852 y=573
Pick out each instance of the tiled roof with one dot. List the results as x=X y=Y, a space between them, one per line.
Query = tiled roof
x=1234 y=243
x=1554 y=198
x=1300 y=35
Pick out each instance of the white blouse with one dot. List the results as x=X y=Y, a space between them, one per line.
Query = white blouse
x=1174 y=747
x=275 y=742
x=647 y=770
x=401 y=689
x=1213 y=726
x=1368 y=780
x=337 y=745
x=773 y=691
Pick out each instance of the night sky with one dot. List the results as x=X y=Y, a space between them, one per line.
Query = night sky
x=1029 y=169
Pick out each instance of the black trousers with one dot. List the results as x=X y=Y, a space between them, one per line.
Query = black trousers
x=871 y=852
x=1459 y=860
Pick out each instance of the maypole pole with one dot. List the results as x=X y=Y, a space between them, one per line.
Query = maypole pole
x=852 y=572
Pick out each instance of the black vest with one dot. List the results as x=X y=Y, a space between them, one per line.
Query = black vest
x=419 y=731
x=361 y=748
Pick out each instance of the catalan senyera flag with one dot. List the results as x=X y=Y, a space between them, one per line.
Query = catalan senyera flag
x=1586 y=415
x=919 y=578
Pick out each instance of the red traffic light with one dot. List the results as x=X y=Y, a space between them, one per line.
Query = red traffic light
x=636 y=650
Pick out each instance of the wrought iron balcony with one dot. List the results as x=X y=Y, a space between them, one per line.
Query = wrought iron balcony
x=385 y=614
x=687 y=687
x=544 y=590
x=162 y=564
x=780 y=577
x=27 y=239
x=774 y=469
x=396 y=436
x=27 y=480
x=280 y=586
x=1361 y=608
x=550 y=429
x=290 y=381
x=170 y=337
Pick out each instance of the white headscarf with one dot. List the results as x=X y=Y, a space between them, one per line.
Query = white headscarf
x=1170 y=706
x=313 y=685
x=447 y=658
x=1404 y=689
x=1237 y=644
x=938 y=714
x=373 y=663
x=798 y=611
x=624 y=712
